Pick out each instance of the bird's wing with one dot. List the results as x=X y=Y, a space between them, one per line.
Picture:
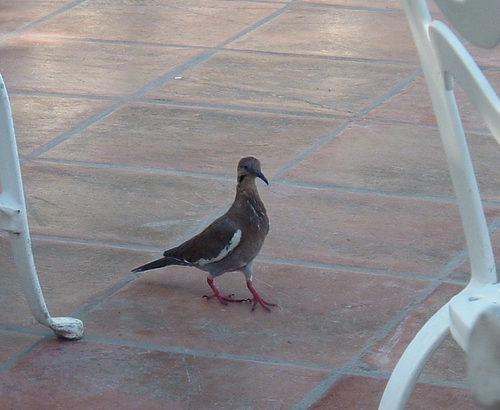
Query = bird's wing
x=211 y=245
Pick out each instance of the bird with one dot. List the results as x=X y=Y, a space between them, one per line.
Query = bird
x=231 y=242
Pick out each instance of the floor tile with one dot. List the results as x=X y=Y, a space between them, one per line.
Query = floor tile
x=118 y=205
x=370 y=231
x=335 y=32
x=85 y=68
x=284 y=83
x=193 y=139
x=463 y=271
x=176 y=22
x=413 y=105
x=14 y=344
x=372 y=4
x=166 y=307
x=131 y=117
x=70 y=275
x=448 y=363
x=357 y=392
x=486 y=58
x=16 y=15
x=397 y=158
x=40 y=119
x=386 y=5
x=341 y=309
x=98 y=376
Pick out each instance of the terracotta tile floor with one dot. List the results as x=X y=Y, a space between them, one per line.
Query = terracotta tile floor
x=131 y=117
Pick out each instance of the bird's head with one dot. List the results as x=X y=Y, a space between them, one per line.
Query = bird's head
x=250 y=166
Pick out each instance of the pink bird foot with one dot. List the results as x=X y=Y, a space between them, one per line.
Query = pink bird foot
x=257 y=299
x=222 y=299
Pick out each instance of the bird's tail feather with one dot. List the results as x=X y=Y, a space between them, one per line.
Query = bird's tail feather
x=159 y=263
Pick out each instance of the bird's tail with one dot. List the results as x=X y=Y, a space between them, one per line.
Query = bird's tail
x=160 y=263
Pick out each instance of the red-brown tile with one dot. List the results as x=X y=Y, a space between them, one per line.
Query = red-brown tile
x=120 y=205
x=413 y=104
x=463 y=271
x=86 y=375
x=486 y=58
x=372 y=4
x=40 y=119
x=352 y=392
x=14 y=344
x=335 y=32
x=363 y=393
x=400 y=158
x=85 y=68
x=176 y=22
x=193 y=139
x=70 y=275
x=371 y=231
x=16 y=14
x=323 y=316
x=448 y=363
x=284 y=83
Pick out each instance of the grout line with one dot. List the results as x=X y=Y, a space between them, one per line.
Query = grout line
x=274 y=180
x=198 y=59
x=222 y=47
x=334 y=371
x=318 y=391
x=367 y=191
x=332 y=57
x=204 y=353
x=40 y=330
x=347 y=268
x=84 y=310
x=13 y=360
x=55 y=13
x=395 y=91
x=355 y=8
x=80 y=127
x=243 y=108
x=35 y=93
x=258 y=24
x=381 y=375
x=264 y=259
x=94 y=242
x=161 y=171
x=315 y=147
x=249 y=109
x=377 y=337
x=328 y=137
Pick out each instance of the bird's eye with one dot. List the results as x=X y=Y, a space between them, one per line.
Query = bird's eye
x=246 y=167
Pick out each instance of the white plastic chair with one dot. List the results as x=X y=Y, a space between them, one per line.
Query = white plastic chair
x=13 y=219
x=445 y=60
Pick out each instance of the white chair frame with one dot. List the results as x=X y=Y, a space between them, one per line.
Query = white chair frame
x=13 y=219
x=445 y=60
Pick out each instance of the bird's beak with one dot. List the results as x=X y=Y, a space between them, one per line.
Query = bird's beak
x=261 y=176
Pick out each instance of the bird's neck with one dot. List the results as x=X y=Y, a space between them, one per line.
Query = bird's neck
x=247 y=188
x=246 y=184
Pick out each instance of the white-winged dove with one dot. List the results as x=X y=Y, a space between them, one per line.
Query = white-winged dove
x=231 y=242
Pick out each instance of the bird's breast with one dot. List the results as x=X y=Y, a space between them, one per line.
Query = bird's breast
x=257 y=217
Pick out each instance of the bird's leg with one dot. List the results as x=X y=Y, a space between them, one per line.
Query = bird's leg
x=257 y=299
x=218 y=295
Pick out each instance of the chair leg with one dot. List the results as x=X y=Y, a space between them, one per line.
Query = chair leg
x=414 y=359
x=15 y=222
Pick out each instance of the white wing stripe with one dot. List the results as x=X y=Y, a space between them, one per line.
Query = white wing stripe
x=233 y=243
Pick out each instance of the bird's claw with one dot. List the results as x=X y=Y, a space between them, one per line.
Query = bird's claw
x=225 y=299
x=262 y=302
